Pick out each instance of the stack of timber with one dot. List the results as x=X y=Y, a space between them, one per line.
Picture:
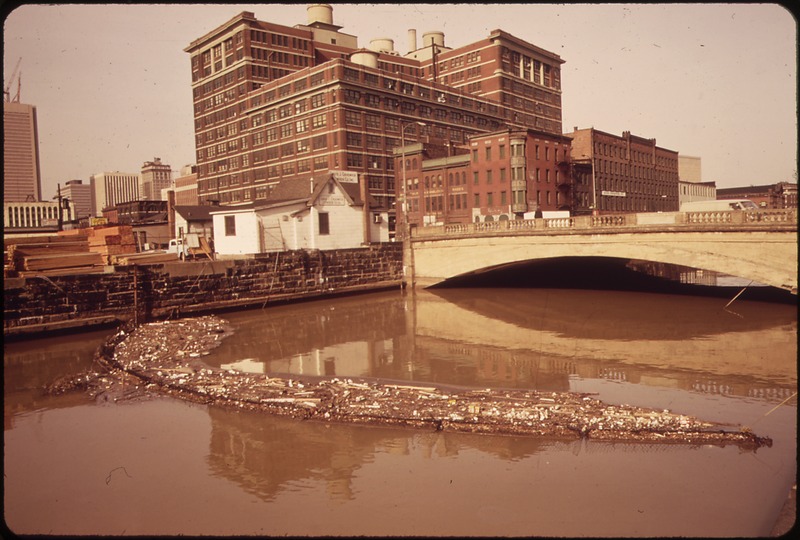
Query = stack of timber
x=145 y=257
x=50 y=254
x=110 y=241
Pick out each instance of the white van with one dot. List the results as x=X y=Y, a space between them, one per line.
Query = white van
x=722 y=205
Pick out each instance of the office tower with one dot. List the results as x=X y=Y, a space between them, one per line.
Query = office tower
x=80 y=195
x=21 y=177
x=112 y=188
x=155 y=177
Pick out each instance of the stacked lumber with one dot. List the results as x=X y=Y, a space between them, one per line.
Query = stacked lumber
x=49 y=252
x=115 y=240
x=147 y=257
x=40 y=262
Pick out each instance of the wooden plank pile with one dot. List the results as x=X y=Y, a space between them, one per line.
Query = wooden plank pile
x=108 y=241
x=145 y=257
x=72 y=251
x=49 y=253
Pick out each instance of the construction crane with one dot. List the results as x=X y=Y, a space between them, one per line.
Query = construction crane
x=7 y=88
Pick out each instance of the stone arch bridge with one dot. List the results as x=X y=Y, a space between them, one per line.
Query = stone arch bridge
x=756 y=245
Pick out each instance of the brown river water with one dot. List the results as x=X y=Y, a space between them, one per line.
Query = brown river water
x=160 y=466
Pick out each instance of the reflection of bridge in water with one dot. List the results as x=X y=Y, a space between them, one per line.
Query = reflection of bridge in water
x=538 y=340
x=760 y=246
x=689 y=343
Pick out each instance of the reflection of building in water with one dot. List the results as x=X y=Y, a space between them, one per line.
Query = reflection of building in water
x=674 y=272
x=470 y=364
x=342 y=337
x=690 y=276
x=352 y=358
x=532 y=339
x=246 y=447
x=248 y=365
x=266 y=455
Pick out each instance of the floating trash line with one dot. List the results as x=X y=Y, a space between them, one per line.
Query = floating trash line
x=166 y=357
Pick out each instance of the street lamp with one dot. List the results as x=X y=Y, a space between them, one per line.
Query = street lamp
x=406 y=224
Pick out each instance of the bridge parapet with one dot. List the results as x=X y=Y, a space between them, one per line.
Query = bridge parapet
x=787 y=215
x=785 y=219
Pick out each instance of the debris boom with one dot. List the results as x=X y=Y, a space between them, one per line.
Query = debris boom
x=166 y=357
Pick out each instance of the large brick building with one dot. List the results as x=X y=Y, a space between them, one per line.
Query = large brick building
x=626 y=174
x=501 y=175
x=273 y=102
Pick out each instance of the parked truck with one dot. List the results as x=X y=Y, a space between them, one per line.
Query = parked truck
x=190 y=246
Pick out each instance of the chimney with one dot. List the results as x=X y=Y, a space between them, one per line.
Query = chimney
x=412 y=40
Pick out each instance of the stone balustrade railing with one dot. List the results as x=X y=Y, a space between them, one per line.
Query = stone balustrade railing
x=785 y=218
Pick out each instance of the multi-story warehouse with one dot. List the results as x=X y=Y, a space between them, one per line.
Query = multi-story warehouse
x=497 y=176
x=628 y=173
x=112 y=188
x=21 y=177
x=273 y=102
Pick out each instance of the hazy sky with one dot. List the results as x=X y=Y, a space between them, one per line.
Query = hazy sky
x=112 y=85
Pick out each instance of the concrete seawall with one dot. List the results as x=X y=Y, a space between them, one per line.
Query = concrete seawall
x=34 y=305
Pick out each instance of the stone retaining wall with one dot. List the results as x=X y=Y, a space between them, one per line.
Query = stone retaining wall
x=40 y=304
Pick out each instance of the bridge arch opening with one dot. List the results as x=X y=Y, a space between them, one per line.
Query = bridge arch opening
x=613 y=273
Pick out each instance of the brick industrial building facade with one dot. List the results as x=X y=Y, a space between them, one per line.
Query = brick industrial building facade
x=275 y=102
x=499 y=175
x=628 y=173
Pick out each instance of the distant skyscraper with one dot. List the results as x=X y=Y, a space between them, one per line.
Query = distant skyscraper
x=155 y=177
x=112 y=188
x=21 y=178
x=80 y=195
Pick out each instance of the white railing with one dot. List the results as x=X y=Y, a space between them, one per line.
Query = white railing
x=648 y=221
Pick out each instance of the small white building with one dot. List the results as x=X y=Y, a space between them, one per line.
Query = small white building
x=317 y=213
x=192 y=220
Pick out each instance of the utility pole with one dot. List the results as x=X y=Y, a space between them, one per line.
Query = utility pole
x=60 y=209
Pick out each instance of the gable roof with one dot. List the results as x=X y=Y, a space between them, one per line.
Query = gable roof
x=308 y=190
x=195 y=213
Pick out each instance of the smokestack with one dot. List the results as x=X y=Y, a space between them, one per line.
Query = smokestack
x=412 y=40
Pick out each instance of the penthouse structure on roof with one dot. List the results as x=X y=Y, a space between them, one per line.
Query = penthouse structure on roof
x=273 y=102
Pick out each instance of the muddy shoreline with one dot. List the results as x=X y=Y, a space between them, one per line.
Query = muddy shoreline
x=166 y=358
